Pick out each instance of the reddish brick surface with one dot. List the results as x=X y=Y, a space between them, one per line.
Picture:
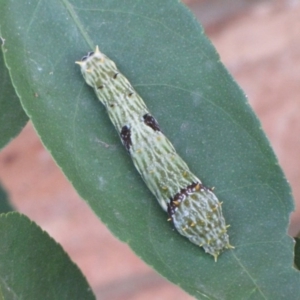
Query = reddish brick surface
x=261 y=49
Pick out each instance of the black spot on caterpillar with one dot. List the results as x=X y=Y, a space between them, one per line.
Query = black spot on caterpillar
x=151 y=122
x=126 y=137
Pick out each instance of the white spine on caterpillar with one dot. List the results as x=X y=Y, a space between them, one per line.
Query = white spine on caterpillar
x=193 y=209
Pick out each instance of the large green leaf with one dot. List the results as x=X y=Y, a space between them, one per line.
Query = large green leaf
x=12 y=115
x=162 y=50
x=33 y=266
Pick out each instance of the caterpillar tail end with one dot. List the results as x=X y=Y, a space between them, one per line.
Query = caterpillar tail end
x=215 y=255
x=199 y=218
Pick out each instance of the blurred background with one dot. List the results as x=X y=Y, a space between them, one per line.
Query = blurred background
x=259 y=42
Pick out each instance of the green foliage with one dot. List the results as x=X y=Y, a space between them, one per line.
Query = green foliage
x=33 y=266
x=12 y=116
x=5 y=205
x=297 y=252
x=161 y=48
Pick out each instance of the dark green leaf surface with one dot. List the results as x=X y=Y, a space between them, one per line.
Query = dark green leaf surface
x=163 y=52
x=297 y=253
x=33 y=266
x=5 y=205
x=12 y=115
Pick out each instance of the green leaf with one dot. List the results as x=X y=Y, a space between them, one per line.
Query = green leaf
x=297 y=253
x=12 y=115
x=33 y=266
x=162 y=50
x=1 y=294
x=5 y=205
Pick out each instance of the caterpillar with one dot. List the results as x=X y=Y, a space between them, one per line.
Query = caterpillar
x=193 y=208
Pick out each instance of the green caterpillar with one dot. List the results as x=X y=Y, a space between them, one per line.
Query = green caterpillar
x=193 y=208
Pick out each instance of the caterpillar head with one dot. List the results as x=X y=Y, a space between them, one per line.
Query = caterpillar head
x=89 y=62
